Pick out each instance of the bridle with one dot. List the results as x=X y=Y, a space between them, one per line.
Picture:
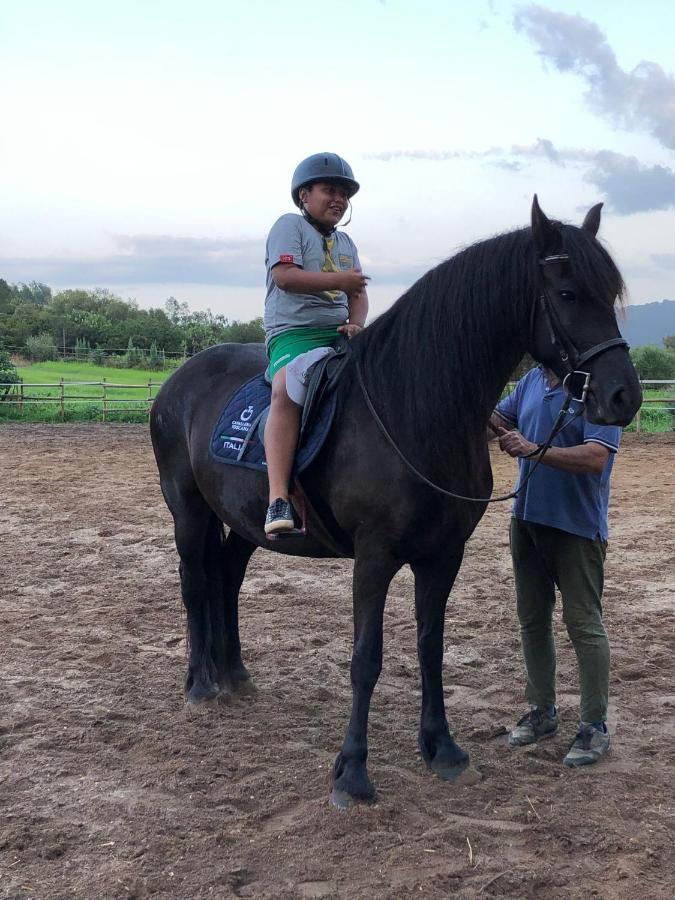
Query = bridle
x=571 y=359
x=570 y=356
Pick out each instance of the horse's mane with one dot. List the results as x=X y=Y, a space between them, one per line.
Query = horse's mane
x=447 y=346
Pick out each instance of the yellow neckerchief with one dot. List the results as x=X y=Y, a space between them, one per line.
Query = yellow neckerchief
x=329 y=263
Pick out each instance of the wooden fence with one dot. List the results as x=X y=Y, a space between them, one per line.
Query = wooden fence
x=23 y=395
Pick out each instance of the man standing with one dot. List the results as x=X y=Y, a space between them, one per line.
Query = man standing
x=558 y=539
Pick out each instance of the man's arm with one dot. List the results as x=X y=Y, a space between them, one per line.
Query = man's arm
x=292 y=278
x=584 y=459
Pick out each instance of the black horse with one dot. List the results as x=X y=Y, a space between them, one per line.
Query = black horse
x=433 y=367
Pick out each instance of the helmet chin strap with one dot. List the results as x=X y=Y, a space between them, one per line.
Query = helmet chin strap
x=323 y=229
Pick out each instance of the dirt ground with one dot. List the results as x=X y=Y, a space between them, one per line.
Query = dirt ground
x=110 y=787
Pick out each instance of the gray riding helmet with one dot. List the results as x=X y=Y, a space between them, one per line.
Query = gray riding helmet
x=323 y=167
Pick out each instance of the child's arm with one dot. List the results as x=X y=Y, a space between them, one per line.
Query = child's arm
x=292 y=278
x=358 y=308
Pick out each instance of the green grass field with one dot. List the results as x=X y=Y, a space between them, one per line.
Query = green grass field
x=659 y=419
x=83 y=402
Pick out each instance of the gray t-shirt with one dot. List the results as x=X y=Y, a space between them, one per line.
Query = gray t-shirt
x=293 y=240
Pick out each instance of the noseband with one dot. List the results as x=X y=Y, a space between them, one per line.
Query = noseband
x=568 y=352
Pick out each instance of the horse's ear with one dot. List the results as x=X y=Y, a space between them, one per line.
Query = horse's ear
x=592 y=221
x=545 y=235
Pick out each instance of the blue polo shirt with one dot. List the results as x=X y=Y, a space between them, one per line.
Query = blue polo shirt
x=574 y=503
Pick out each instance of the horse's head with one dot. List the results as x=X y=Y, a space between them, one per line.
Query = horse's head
x=573 y=328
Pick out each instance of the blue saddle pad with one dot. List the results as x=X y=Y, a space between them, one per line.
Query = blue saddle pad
x=233 y=429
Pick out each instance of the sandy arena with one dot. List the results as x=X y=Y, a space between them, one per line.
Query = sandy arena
x=111 y=788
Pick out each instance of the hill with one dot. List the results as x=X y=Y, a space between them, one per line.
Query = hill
x=649 y=323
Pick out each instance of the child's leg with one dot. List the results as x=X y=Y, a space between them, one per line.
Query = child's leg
x=281 y=437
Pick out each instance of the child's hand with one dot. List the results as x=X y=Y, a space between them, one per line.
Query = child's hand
x=350 y=329
x=353 y=281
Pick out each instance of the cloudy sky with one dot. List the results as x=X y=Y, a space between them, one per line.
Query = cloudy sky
x=147 y=145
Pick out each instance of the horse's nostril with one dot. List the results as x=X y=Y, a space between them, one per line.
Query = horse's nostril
x=619 y=398
x=621 y=402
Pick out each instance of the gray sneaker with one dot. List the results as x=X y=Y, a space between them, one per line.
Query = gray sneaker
x=538 y=723
x=590 y=744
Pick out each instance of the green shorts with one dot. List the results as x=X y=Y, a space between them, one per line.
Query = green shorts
x=286 y=346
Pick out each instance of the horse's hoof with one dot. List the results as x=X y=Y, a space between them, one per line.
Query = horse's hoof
x=450 y=766
x=201 y=693
x=340 y=799
x=444 y=757
x=243 y=688
x=350 y=785
x=460 y=775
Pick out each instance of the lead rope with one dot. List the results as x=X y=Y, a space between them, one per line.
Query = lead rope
x=540 y=451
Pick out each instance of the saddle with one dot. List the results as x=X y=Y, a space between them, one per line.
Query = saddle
x=238 y=437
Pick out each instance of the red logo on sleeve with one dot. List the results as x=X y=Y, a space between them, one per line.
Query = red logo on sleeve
x=286 y=258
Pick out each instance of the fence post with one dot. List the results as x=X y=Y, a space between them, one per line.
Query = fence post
x=21 y=397
x=149 y=396
x=63 y=408
x=105 y=399
x=637 y=421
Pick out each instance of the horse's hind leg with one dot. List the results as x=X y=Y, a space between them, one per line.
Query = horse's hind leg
x=232 y=672
x=199 y=545
x=433 y=583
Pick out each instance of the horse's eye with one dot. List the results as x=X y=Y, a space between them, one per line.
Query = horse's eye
x=567 y=296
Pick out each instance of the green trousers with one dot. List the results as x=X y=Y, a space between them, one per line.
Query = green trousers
x=544 y=558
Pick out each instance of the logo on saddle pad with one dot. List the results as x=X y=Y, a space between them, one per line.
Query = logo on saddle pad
x=243 y=422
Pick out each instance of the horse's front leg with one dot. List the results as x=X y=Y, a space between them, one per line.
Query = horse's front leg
x=433 y=583
x=372 y=575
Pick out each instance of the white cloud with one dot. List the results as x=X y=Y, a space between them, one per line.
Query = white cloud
x=640 y=100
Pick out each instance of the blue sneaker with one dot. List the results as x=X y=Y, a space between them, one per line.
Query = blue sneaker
x=279 y=517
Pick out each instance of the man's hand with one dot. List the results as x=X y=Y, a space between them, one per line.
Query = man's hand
x=353 y=281
x=513 y=443
x=350 y=329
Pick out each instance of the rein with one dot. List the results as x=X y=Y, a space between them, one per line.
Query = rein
x=564 y=344
x=540 y=451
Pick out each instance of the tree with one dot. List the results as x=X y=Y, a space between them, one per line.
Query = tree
x=154 y=360
x=133 y=356
x=653 y=363
x=97 y=356
x=176 y=311
x=669 y=342
x=34 y=292
x=6 y=296
x=8 y=374
x=82 y=349
x=251 y=332
x=41 y=347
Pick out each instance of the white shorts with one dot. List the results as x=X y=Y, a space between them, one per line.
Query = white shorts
x=298 y=373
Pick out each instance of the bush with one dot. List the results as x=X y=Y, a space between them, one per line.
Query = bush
x=41 y=347
x=653 y=363
x=8 y=374
x=97 y=356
